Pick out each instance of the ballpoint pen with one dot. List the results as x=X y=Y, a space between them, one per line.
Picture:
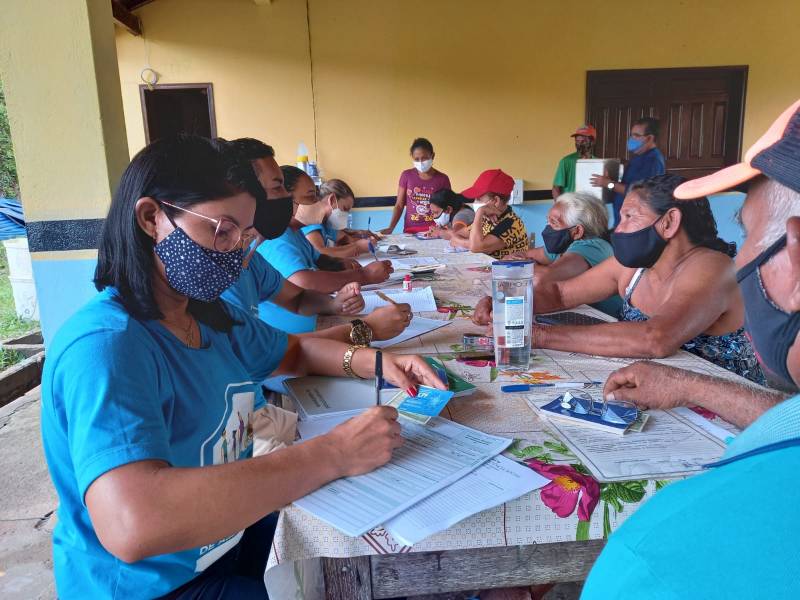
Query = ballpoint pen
x=378 y=377
x=526 y=387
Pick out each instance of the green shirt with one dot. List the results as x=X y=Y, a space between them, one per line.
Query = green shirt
x=565 y=173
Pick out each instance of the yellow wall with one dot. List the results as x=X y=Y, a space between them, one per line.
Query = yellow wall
x=499 y=83
x=64 y=107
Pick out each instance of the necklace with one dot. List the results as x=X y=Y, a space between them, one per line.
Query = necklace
x=188 y=336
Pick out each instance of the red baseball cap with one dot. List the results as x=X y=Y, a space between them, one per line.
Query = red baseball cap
x=493 y=181
x=587 y=130
x=776 y=154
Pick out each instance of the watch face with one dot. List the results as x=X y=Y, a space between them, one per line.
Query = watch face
x=361 y=334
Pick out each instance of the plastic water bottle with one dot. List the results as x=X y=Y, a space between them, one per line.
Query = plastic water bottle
x=512 y=306
x=302 y=157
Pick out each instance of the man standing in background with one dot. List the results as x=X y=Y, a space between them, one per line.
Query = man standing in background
x=647 y=161
x=564 y=180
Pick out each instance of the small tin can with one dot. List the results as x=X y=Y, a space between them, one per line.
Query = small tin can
x=477 y=341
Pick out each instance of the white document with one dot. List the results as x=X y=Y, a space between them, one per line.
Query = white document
x=432 y=457
x=408 y=263
x=317 y=397
x=420 y=299
x=669 y=446
x=703 y=423
x=316 y=427
x=418 y=326
x=497 y=481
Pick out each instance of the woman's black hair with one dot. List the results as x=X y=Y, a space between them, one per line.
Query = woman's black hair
x=183 y=170
x=421 y=143
x=291 y=175
x=444 y=198
x=697 y=220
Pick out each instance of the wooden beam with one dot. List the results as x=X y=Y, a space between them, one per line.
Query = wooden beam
x=417 y=573
x=125 y=18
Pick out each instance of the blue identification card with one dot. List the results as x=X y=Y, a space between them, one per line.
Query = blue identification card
x=428 y=402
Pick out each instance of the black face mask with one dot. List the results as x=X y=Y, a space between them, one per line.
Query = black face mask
x=640 y=249
x=772 y=331
x=556 y=241
x=272 y=217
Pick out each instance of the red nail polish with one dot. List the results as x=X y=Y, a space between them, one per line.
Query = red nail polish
x=412 y=391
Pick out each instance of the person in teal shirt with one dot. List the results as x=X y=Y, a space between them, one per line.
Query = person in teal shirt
x=730 y=532
x=574 y=242
x=143 y=388
x=564 y=180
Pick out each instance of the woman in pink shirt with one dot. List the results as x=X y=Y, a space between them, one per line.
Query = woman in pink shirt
x=415 y=189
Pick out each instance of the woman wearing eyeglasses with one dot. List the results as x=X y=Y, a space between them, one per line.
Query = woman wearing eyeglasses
x=144 y=388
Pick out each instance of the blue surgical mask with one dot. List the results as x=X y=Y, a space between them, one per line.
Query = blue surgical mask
x=634 y=144
x=197 y=272
x=772 y=331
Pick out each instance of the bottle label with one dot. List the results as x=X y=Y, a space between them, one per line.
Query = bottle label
x=515 y=321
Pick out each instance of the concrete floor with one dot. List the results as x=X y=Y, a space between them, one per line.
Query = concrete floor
x=28 y=502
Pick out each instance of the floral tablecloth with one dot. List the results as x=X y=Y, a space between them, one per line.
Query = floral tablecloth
x=573 y=506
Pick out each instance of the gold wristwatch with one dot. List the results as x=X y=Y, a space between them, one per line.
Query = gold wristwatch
x=361 y=333
x=347 y=361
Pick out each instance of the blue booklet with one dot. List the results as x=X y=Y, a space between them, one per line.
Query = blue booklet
x=554 y=410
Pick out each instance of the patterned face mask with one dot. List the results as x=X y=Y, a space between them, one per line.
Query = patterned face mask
x=195 y=271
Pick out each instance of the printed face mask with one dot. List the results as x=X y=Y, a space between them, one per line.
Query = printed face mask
x=423 y=166
x=197 y=272
x=272 y=217
x=772 y=331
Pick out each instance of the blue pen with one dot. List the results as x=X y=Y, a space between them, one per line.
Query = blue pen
x=372 y=250
x=369 y=222
x=378 y=377
x=535 y=386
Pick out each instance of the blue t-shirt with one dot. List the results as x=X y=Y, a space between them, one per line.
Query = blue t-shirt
x=726 y=533
x=593 y=251
x=289 y=253
x=328 y=234
x=116 y=390
x=258 y=283
x=641 y=166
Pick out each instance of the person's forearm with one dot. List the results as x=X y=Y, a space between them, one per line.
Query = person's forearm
x=343 y=251
x=338 y=333
x=737 y=403
x=547 y=298
x=330 y=263
x=462 y=232
x=327 y=281
x=623 y=339
x=396 y=213
x=459 y=242
x=312 y=302
x=190 y=507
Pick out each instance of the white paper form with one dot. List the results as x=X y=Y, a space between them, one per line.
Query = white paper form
x=432 y=457
x=418 y=326
x=497 y=481
x=420 y=299
x=401 y=264
x=669 y=446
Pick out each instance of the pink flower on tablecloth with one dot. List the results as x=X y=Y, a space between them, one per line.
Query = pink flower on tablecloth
x=704 y=412
x=479 y=363
x=567 y=489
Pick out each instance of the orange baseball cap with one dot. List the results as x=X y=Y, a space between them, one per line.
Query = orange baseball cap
x=587 y=129
x=776 y=154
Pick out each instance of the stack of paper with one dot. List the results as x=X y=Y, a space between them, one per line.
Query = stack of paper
x=432 y=457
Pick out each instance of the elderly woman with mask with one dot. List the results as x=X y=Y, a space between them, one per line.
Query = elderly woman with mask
x=574 y=242
x=666 y=256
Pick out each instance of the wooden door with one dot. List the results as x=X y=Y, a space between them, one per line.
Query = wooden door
x=700 y=109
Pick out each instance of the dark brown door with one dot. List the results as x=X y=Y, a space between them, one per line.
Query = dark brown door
x=700 y=109
x=178 y=108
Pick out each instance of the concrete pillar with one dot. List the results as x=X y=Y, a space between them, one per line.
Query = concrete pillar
x=58 y=64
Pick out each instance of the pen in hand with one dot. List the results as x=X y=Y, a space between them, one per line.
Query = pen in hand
x=378 y=377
